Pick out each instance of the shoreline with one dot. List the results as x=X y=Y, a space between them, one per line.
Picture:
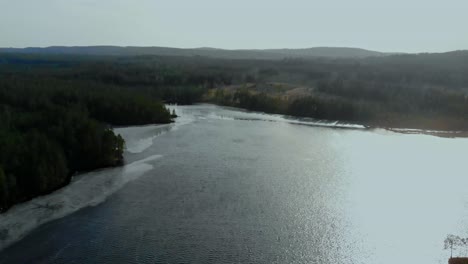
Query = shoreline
x=89 y=189
x=98 y=184
x=340 y=124
x=83 y=190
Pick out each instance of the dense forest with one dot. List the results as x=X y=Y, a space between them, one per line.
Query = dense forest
x=52 y=128
x=427 y=91
x=57 y=111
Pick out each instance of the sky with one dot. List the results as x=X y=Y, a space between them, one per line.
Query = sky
x=389 y=26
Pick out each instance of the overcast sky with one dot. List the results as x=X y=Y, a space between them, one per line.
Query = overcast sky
x=396 y=25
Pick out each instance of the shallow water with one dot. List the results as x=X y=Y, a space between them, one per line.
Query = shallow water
x=228 y=186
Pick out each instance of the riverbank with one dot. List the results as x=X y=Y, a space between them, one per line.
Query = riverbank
x=355 y=125
x=311 y=103
x=87 y=189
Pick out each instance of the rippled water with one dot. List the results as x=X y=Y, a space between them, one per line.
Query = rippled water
x=226 y=186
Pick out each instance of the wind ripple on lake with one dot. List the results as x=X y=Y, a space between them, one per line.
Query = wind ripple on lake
x=234 y=188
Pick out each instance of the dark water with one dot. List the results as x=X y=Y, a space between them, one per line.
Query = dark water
x=236 y=187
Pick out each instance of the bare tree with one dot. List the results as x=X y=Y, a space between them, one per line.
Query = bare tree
x=453 y=241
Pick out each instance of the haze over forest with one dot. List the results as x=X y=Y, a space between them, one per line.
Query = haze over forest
x=268 y=54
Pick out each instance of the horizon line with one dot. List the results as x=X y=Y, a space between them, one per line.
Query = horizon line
x=225 y=49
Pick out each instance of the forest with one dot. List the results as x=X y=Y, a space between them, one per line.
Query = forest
x=51 y=129
x=427 y=91
x=57 y=111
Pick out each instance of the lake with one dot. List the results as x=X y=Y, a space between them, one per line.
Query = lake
x=227 y=186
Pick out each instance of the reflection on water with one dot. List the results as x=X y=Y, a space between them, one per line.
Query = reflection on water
x=230 y=188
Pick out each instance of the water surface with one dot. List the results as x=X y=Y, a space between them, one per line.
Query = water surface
x=228 y=186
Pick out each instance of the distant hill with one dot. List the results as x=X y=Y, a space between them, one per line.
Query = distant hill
x=330 y=52
x=267 y=54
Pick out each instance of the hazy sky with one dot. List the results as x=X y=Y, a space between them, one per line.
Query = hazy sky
x=393 y=25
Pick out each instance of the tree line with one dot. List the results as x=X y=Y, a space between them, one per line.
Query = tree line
x=51 y=129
